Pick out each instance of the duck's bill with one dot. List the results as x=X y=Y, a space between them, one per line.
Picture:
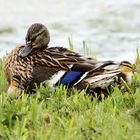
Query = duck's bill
x=26 y=50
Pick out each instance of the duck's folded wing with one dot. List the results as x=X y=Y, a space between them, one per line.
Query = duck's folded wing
x=103 y=80
x=83 y=71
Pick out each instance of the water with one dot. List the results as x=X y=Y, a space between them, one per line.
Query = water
x=111 y=29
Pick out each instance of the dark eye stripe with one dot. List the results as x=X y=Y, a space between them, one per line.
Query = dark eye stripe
x=40 y=32
x=36 y=35
x=16 y=80
x=127 y=65
x=33 y=38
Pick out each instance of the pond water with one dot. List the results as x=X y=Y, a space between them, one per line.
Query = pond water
x=111 y=29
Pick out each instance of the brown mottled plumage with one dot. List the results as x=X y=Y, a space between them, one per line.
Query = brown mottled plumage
x=35 y=62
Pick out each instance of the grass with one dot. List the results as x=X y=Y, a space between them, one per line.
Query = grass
x=53 y=114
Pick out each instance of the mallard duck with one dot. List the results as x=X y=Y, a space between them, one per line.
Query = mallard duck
x=35 y=62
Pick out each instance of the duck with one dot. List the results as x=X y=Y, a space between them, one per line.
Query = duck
x=35 y=62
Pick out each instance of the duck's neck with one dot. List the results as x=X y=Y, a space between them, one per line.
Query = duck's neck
x=42 y=48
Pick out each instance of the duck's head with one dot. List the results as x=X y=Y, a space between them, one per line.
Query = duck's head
x=37 y=37
x=128 y=70
x=127 y=67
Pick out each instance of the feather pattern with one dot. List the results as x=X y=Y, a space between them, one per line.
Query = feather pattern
x=36 y=62
x=33 y=68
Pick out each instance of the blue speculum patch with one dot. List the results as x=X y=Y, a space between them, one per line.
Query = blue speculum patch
x=71 y=77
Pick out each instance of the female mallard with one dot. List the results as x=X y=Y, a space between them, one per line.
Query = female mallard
x=36 y=63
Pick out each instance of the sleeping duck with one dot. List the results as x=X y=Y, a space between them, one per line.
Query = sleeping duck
x=36 y=62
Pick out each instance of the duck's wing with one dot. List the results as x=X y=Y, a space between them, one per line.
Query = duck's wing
x=71 y=54
x=83 y=72
x=103 y=75
x=103 y=80
x=63 y=51
x=59 y=57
